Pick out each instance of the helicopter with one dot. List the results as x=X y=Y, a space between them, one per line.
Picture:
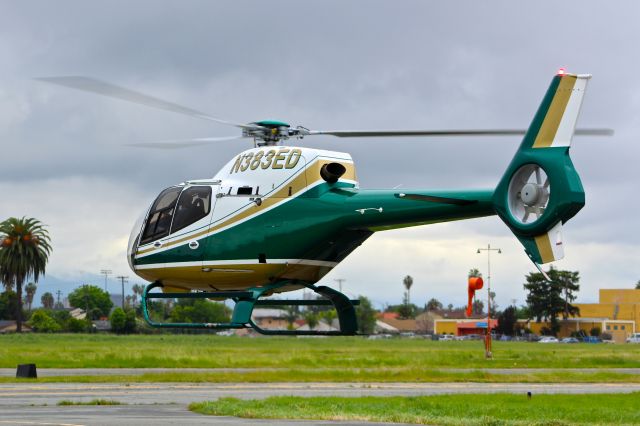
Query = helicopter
x=279 y=217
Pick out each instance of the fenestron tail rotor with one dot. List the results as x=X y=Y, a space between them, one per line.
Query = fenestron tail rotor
x=528 y=193
x=266 y=132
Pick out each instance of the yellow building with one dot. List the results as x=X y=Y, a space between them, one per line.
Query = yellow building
x=619 y=329
x=618 y=311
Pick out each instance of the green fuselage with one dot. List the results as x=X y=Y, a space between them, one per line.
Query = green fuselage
x=324 y=224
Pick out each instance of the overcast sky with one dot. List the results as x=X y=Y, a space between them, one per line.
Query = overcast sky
x=323 y=65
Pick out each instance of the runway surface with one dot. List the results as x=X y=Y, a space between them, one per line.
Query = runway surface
x=33 y=403
x=139 y=415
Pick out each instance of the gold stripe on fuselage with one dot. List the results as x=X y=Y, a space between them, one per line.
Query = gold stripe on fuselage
x=298 y=185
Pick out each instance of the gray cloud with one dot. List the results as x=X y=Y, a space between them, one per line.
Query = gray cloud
x=325 y=65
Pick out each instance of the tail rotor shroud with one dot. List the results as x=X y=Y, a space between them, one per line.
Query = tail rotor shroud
x=541 y=190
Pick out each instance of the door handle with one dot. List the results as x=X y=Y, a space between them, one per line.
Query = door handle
x=194 y=245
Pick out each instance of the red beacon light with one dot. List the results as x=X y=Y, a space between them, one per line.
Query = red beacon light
x=562 y=71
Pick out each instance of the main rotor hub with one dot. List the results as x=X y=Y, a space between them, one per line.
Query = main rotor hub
x=269 y=132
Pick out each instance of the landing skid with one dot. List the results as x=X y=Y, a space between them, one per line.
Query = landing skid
x=246 y=300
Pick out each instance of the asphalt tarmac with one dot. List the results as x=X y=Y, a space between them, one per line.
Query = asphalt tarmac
x=33 y=403
x=143 y=415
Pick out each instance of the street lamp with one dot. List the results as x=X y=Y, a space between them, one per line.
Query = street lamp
x=487 y=342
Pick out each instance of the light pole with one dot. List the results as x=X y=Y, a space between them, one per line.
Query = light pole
x=106 y=272
x=123 y=280
x=487 y=340
x=340 y=281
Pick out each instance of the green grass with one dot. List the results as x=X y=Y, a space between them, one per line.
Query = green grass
x=92 y=402
x=341 y=353
x=382 y=375
x=453 y=410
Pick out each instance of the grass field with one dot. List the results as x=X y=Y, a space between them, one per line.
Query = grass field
x=341 y=353
x=276 y=359
x=342 y=376
x=452 y=410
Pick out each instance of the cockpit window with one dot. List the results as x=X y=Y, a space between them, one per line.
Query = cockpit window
x=194 y=204
x=160 y=215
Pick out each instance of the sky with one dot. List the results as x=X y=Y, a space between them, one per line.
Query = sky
x=323 y=65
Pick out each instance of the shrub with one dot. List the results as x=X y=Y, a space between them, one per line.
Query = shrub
x=123 y=322
x=41 y=322
x=118 y=320
x=130 y=321
x=75 y=325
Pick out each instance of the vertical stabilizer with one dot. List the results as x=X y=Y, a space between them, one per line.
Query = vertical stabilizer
x=541 y=190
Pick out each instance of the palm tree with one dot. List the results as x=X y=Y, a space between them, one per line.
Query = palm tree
x=47 y=300
x=30 y=291
x=24 y=252
x=138 y=290
x=408 y=282
x=474 y=272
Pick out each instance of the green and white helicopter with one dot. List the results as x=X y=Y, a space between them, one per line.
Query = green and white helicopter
x=278 y=218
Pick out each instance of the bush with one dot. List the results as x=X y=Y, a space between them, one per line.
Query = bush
x=130 y=321
x=8 y=305
x=118 y=320
x=75 y=325
x=41 y=322
x=123 y=322
x=193 y=310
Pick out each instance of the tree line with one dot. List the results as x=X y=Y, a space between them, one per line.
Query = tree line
x=25 y=247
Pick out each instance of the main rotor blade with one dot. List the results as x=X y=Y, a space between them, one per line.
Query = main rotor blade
x=183 y=143
x=92 y=85
x=490 y=132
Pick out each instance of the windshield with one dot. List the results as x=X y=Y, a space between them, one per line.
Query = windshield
x=175 y=209
x=160 y=215
x=194 y=204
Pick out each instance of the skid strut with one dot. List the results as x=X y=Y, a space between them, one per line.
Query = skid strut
x=246 y=300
